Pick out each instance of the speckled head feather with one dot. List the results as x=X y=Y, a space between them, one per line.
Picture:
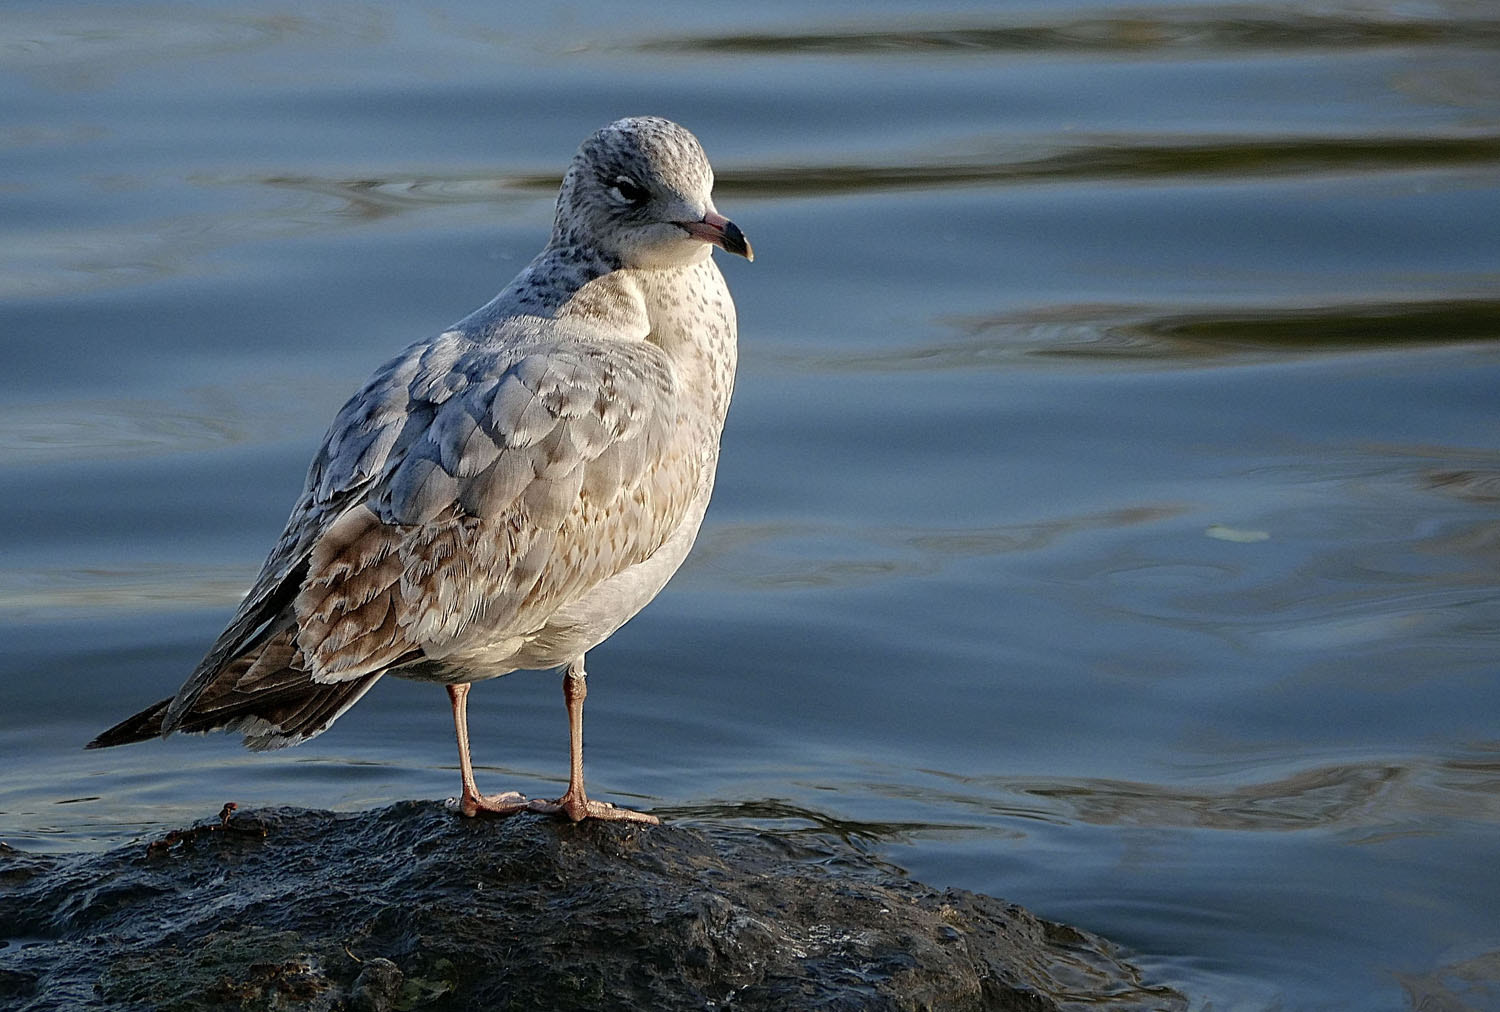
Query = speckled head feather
x=631 y=190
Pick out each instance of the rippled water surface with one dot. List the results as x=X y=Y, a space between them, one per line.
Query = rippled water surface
x=1109 y=514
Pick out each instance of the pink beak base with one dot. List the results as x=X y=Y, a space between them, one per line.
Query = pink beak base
x=721 y=232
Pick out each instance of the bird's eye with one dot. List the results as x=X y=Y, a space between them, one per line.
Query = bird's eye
x=628 y=191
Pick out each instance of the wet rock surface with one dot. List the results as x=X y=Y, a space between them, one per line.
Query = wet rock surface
x=410 y=907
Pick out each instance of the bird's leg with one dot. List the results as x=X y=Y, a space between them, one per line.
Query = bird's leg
x=575 y=804
x=472 y=802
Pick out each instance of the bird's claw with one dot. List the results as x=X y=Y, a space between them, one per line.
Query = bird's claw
x=577 y=809
x=471 y=805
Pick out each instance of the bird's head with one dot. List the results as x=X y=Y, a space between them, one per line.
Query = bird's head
x=640 y=190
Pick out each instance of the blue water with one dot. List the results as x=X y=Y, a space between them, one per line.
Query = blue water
x=1108 y=511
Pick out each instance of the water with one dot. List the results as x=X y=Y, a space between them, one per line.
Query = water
x=1108 y=511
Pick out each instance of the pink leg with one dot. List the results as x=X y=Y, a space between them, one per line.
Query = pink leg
x=575 y=804
x=472 y=802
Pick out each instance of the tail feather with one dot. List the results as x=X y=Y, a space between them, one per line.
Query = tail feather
x=261 y=694
x=268 y=720
x=261 y=689
x=146 y=724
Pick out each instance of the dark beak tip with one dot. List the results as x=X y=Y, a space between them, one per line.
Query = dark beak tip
x=736 y=243
x=721 y=232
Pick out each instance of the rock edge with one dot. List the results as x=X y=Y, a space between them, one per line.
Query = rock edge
x=410 y=907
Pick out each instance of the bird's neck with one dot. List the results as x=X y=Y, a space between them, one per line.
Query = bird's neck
x=692 y=319
x=686 y=310
x=551 y=282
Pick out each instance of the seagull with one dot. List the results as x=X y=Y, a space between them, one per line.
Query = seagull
x=507 y=494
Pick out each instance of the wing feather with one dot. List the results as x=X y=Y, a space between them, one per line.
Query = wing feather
x=467 y=491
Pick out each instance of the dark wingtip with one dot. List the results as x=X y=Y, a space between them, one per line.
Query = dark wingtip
x=143 y=725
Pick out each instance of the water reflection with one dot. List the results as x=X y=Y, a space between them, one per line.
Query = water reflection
x=68 y=593
x=77 y=54
x=1366 y=546
x=1468 y=985
x=73 y=430
x=1097 y=157
x=1217 y=335
x=1318 y=328
x=249 y=410
x=771 y=557
x=59 y=259
x=802 y=825
x=372 y=199
x=1188 y=31
x=1364 y=801
x=1137 y=157
x=1471 y=485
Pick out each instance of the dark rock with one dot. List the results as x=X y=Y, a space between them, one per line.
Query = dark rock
x=409 y=907
x=378 y=986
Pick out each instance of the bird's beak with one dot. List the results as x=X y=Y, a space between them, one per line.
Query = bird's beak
x=721 y=232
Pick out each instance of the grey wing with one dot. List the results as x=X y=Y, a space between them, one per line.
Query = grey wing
x=531 y=484
x=461 y=489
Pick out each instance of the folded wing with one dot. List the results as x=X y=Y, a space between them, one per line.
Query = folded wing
x=465 y=494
